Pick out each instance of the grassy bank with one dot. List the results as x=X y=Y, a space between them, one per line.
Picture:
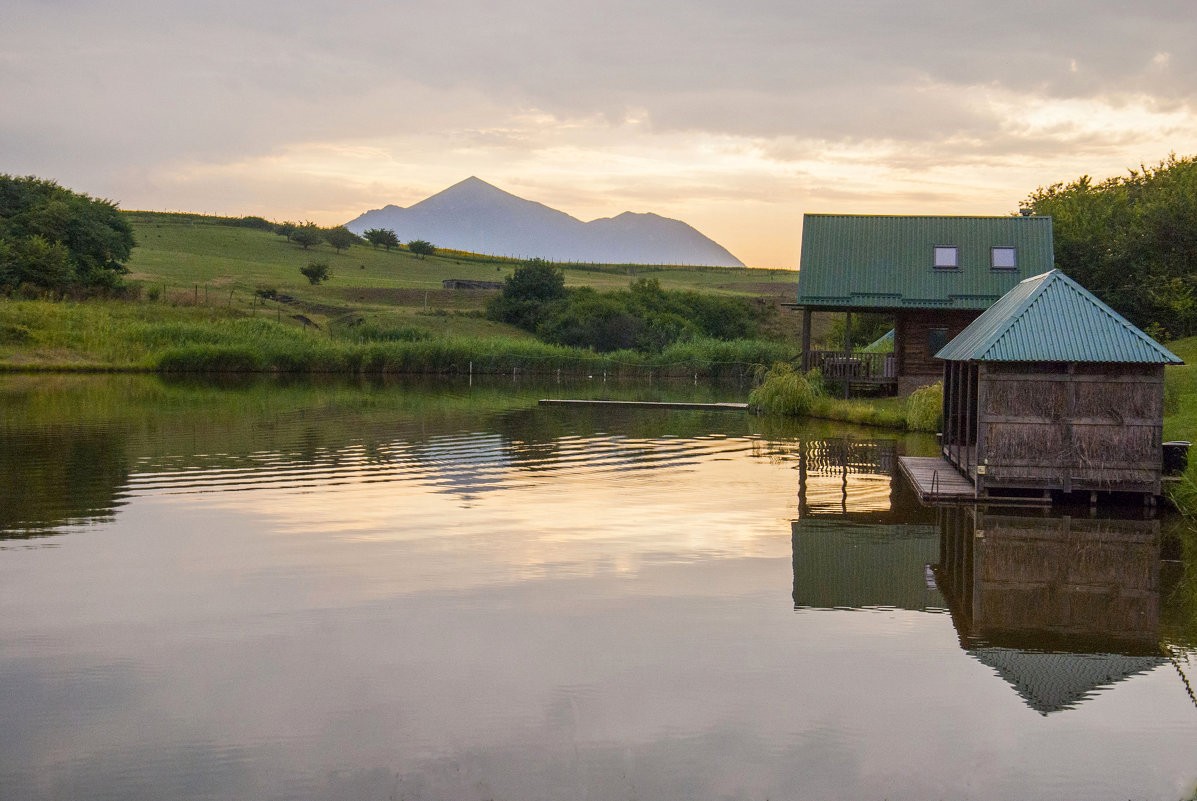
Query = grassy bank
x=117 y=335
x=1180 y=418
x=784 y=391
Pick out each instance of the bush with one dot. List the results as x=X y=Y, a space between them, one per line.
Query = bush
x=784 y=391
x=924 y=408
x=315 y=272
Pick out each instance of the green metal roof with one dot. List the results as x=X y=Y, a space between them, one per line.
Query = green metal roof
x=875 y=261
x=1052 y=318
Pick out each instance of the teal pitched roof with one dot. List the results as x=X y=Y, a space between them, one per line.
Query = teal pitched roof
x=885 y=262
x=1052 y=318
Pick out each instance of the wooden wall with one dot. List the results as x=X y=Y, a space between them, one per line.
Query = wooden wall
x=1070 y=426
x=912 y=327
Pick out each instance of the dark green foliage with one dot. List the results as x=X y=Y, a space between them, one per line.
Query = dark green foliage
x=866 y=329
x=315 y=272
x=257 y=223
x=644 y=317
x=1132 y=241
x=341 y=238
x=307 y=235
x=421 y=248
x=286 y=228
x=54 y=238
x=381 y=236
x=525 y=292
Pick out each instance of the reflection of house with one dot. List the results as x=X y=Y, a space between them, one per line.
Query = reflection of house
x=933 y=275
x=862 y=539
x=841 y=564
x=1056 y=606
x=1050 y=389
x=851 y=479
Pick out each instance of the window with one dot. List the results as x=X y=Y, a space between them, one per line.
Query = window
x=946 y=257
x=1003 y=259
x=936 y=339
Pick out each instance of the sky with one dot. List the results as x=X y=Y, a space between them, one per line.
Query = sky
x=735 y=117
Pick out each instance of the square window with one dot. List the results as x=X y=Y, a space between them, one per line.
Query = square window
x=946 y=257
x=1003 y=259
x=936 y=339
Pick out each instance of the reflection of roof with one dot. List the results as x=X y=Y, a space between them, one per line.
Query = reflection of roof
x=843 y=565
x=1052 y=318
x=877 y=261
x=1050 y=682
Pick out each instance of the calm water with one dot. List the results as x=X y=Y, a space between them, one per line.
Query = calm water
x=440 y=591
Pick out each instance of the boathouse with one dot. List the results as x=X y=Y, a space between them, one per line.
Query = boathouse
x=1052 y=390
x=932 y=275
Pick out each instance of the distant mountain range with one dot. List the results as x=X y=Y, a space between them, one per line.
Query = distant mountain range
x=475 y=216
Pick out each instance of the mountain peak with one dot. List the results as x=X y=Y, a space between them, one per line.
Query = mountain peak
x=477 y=216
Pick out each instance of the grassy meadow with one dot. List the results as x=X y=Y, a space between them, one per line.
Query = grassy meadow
x=191 y=259
x=207 y=294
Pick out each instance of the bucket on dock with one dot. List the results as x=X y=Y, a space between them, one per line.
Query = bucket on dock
x=1176 y=457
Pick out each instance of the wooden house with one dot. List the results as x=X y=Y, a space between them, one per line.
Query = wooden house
x=1052 y=390
x=932 y=275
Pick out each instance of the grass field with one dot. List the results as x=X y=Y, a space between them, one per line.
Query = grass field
x=192 y=259
x=1180 y=416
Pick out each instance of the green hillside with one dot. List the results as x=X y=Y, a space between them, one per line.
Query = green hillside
x=201 y=260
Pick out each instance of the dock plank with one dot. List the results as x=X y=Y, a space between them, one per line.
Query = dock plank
x=936 y=480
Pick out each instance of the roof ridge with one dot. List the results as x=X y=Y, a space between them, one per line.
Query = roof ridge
x=1045 y=280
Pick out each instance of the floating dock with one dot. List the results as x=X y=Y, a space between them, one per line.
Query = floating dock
x=936 y=480
x=709 y=407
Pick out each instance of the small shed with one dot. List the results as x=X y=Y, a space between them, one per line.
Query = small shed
x=1052 y=390
x=931 y=275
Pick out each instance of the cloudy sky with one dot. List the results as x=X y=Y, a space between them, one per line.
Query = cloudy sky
x=735 y=117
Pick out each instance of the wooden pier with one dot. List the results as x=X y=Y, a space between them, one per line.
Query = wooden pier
x=712 y=407
x=936 y=480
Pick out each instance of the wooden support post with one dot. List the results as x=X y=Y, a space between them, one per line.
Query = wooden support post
x=806 y=315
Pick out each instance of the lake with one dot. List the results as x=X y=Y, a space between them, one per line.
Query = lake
x=295 y=589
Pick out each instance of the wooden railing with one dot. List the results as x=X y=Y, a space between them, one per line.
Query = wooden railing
x=841 y=365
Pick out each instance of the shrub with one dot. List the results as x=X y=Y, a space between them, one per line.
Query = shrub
x=783 y=391
x=924 y=408
x=315 y=272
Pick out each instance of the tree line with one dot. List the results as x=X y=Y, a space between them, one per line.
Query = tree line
x=1132 y=241
x=54 y=239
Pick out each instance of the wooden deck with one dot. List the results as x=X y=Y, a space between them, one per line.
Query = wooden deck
x=935 y=480
x=716 y=407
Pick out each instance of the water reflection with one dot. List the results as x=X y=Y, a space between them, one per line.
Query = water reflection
x=365 y=591
x=1058 y=606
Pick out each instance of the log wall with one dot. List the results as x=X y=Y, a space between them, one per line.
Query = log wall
x=911 y=331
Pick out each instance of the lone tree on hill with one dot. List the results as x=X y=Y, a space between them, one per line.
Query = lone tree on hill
x=54 y=238
x=421 y=247
x=381 y=236
x=307 y=235
x=315 y=272
x=341 y=238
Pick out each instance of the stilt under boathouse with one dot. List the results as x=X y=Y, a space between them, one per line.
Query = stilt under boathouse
x=1051 y=391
